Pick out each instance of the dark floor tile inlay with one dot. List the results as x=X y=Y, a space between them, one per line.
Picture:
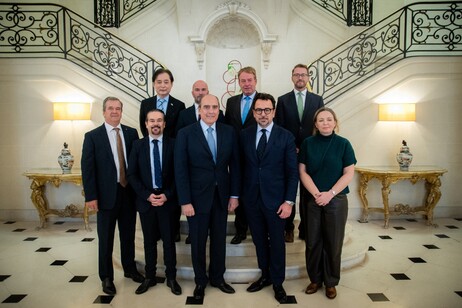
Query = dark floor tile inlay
x=30 y=239
x=10 y=222
x=458 y=293
x=4 y=277
x=19 y=230
x=417 y=260
x=400 y=276
x=59 y=222
x=371 y=248
x=399 y=228
x=452 y=227
x=411 y=220
x=291 y=299
x=385 y=237
x=103 y=299
x=441 y=235
x=88 y=239
x=43 y=249
x=160 y=280
x=431 y=246
x=72 y=230
x=458 y=219
x=78 y=279
x=378 y=297
x=59 y=262
x=190 y=300
x=14 y=298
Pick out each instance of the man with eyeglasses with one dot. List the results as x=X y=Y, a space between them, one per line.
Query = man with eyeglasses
x=269 y=189
x=295 y=111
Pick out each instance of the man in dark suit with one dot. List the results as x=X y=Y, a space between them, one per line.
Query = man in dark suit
x=163 y=82
x=150 y=173
x=295 y=111
x=238 y=115
x=207 y=175
x=104 y=155
x=187 y=117
x=269 y=190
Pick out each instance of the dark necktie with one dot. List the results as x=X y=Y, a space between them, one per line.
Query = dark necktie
x=261 y=144
x=157 y=168
x=120 y=154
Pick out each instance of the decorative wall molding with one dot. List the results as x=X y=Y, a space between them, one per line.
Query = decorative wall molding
x=231 y=12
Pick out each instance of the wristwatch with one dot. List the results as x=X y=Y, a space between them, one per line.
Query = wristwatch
x=333 y=192
x=290 y=203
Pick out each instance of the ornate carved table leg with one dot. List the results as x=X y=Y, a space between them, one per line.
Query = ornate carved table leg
x=39 y=200
x=432 y=184
x=363 y=182
x=385 y=192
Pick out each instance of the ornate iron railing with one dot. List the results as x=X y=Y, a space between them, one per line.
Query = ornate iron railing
x=52 y=31
x=353 y=12
x=420 y=29
x=112 y=13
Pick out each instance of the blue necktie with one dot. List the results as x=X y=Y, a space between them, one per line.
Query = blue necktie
x=160 y=104
x=246 y=109
x=157 y=168
x=261 y=144
x=211 y=143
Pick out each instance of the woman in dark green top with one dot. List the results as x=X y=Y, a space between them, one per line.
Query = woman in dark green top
x=326 y=165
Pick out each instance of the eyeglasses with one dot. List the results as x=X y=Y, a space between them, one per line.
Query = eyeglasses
x=266 y=110
x=299 y=75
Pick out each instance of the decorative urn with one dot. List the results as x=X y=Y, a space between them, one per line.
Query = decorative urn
x=66 y=159
x=404 y=157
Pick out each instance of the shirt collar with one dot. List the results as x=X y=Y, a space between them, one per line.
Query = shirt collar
x=109 y=127
x=205 y=126
x=268 y=129
x=303 y=92
x=159 y=139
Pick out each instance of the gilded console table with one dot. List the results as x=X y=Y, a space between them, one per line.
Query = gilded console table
x=40 y=177
x=390 y=175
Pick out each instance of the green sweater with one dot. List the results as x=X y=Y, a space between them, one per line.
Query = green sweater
x=325 y=157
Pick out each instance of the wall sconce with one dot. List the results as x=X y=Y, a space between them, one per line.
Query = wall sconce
x=71 y=111
x=396 y=112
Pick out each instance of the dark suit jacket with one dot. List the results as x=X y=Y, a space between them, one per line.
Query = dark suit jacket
x=188 y=117
x=287 y=115
x=171 y=118
x=140 y=176
x=197 y=175
x=233 y=114
x=99 y=172
x=276 y=175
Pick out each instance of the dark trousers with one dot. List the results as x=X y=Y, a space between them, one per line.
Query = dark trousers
x=303 y=200
x=199 y=227
x=124 y=214
x=159 y=220
x=325 y=231
x=267 y=231
x=240 y=220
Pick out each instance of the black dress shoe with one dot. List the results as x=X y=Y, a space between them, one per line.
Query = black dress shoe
x=224 y=287
x=280 y=294
x=289 y=236
x=108 y=286
x=259 y=284
x=187 y=240
x=238 y=238
x=135 y=276
x=174 y=286
x=147 y=283
x=199 y=292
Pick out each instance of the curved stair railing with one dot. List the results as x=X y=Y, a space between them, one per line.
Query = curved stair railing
x=420 y=29
x=52 y=31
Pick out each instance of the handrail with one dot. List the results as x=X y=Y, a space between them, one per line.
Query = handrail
x=53 y=31
x=419 y=29
x=114 y=13
x=353 y=12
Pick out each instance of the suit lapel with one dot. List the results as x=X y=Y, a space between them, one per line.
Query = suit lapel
x=272 y=138
x=201 y=137
x=307 y=105
x=147 y=154
x=106 y=143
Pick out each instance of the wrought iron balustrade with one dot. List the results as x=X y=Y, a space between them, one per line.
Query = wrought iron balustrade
x=52 y=31
x=353 y=12
x=112 y=13
x=420 y=29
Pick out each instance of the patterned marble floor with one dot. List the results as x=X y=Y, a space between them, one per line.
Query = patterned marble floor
x=408 y=265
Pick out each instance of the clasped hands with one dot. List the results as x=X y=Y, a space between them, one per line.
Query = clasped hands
x=157 y=200
x=323 y=198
